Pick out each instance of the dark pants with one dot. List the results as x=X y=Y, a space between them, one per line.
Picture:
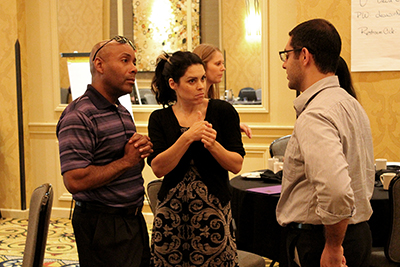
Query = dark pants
x=310 y=244
x=105 y=239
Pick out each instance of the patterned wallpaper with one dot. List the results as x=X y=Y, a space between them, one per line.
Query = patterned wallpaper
x=378 y=92
x=243 y=58
x=9 y=156
x=80 y=26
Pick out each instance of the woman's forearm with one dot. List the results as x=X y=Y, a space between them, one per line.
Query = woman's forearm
x=166 y=161
x=230 y=161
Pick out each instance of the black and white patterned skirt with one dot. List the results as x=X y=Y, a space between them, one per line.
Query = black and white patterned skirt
x=191 y=228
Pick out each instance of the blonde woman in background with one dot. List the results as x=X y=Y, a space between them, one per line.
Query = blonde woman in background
x=214 y=62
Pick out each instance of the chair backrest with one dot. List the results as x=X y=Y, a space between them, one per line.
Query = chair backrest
x=38 y=226
x=392 y=249
x=278 y=146
x=247 y=93
x=152 y=191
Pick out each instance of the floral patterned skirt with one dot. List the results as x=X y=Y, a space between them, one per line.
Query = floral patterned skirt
x=191 y=228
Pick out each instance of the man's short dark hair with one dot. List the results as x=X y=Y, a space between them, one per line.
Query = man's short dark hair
x=321 y=39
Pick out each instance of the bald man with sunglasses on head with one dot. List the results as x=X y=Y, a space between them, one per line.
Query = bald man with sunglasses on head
x=102 y=157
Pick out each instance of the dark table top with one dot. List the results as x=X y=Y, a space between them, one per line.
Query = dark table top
x=259 y=232
x=380 y=217
x=254 y=214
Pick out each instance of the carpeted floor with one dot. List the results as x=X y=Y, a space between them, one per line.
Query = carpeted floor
x=60 y=248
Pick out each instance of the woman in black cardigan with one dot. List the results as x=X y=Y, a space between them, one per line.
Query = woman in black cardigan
x=196 y=141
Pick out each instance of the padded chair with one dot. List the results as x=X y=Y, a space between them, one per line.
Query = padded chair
x=246 y=259
x=278 y=146
x=65 y=95
x=152 y=191
x=247 y=93
x=38 y=226
x=390 y=254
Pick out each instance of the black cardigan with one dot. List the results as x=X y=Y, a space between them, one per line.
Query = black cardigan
x=164 y=130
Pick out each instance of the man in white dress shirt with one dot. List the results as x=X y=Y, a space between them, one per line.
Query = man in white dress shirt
x=328 y=175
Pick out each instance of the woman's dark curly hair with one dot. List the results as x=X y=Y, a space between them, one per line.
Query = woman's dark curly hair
x=171 y=66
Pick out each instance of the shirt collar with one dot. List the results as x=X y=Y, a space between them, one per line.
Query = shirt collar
x=98 y=99
x=301 y=102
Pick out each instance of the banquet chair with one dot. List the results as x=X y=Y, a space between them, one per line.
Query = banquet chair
x=246 y=259
x=278 y=146
x=38 y=226
x=152 y=191
x=247 y=93
x=390 y=254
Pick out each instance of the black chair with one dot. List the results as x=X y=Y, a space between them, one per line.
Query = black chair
x=278 y=146
x=64 y=95
x=390 y=254
x=247 y=93
x=38 y=226
x=246 y=259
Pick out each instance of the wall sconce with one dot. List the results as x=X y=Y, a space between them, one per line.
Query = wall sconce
x=253 y=20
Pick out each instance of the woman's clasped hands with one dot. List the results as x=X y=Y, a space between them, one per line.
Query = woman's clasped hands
x=202 y=130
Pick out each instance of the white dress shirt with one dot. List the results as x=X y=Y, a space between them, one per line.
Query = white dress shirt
x=328 y=172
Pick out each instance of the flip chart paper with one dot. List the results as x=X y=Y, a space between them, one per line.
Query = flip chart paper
x=375 y=35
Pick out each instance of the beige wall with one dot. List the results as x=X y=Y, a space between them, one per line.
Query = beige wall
x=378 y=92
x=78 y=30
x=36 y=24
x=9 y=156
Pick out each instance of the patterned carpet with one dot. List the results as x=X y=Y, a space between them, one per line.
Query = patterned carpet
x=60 y=248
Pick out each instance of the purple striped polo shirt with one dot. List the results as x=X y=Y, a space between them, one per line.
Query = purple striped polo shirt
x=92 y=131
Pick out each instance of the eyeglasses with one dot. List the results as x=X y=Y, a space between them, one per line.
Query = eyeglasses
x=119 y=39
x=284 y=54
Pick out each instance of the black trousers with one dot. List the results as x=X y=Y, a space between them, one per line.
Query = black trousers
x=110 y=239
x=310 y=244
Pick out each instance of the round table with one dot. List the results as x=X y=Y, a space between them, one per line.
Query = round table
x=259 y=232
x=254 y=214
x=380 y=220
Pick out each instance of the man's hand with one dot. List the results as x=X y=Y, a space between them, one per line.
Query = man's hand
x=142 y=143
x=333 y=254
x=333 y=257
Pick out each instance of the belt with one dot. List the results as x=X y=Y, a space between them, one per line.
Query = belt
x=304 y=226
x=96 y=206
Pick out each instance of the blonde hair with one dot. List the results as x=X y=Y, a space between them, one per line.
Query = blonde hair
x=206 y=52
